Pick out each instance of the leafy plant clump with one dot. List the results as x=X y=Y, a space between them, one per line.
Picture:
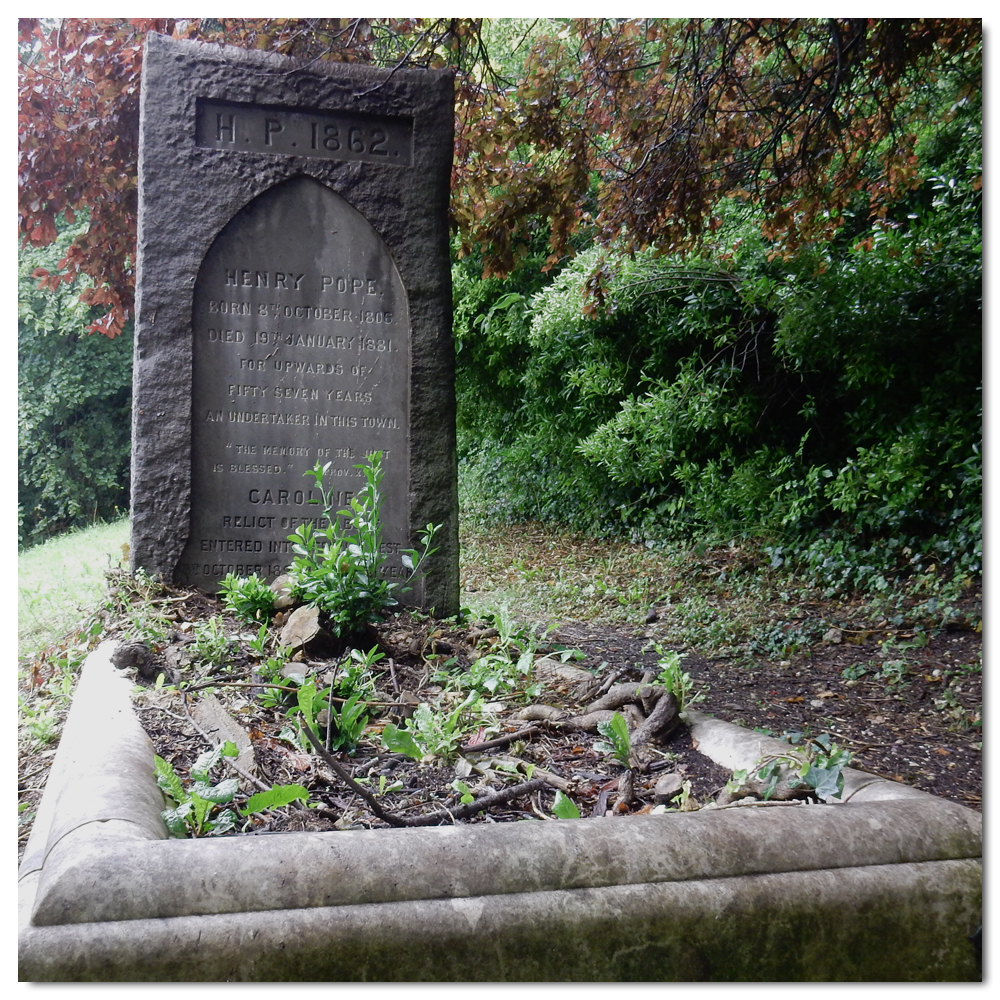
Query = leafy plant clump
x=508 y=666
x=338 y=561
x=617 y=742
x=817 y=764
x=677 y=681
x=196 y=809
x=338 y=566
x=826 y=404
x=340 y=707
x=249 y=597
x=74 y=397
x=429 y=734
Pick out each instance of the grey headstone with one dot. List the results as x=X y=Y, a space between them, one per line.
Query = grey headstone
x=293 y=305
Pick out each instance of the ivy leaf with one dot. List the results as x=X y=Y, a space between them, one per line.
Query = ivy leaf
x=828 y=782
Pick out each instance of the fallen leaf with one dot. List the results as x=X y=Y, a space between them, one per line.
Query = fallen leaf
x=300 y=761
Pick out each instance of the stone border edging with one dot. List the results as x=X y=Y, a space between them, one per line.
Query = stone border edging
x=99 y=868
x=893 y=923
x=102 y=771
x=734 y=747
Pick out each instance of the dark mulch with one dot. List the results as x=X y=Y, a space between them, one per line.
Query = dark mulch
x=919 y=730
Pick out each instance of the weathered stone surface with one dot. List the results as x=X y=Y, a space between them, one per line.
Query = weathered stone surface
x=806 y=893
x=221 y=727
x=293 y=306
x=315 y=370
x=903 y=923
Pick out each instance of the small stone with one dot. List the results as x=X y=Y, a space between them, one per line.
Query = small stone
x=135 y=656
x=834 y=635
x=282 y=588
x=302 y=627
x=668 y=787
x=294 y=670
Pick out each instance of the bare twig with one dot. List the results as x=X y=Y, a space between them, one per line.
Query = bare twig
x=391 y=818
x=500 y=741
x=37 y=770
x=431 y=819
x=483 y=802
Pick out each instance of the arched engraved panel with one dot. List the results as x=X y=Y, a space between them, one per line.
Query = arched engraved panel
x=301 y=354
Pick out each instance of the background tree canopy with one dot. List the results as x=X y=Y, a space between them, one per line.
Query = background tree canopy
x=621 y=129
x=712 y=276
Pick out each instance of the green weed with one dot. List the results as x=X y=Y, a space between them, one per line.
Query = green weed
x=564 y=807
x=211 y=646
x=197 y=809
x=249 y=597
x=429 y=734
x=338 y=566
x=677 y=681
x=617 y=742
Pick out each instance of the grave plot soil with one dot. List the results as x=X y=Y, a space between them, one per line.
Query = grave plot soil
x=915 y=731
x=918 y=731
x=496 y=764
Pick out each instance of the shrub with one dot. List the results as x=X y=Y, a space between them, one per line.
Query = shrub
x=74 y=406
x=337 y=567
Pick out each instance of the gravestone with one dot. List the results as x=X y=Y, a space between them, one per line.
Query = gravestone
x=293 y=306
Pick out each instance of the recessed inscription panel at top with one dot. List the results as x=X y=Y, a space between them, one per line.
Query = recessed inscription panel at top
x=330 y=135
x=300 y=355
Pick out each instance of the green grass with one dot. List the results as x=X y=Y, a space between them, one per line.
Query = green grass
x=61 y=579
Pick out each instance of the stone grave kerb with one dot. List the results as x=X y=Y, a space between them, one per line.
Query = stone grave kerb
x=190 y=190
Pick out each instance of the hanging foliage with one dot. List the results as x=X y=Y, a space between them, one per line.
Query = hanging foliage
x=628 y=130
